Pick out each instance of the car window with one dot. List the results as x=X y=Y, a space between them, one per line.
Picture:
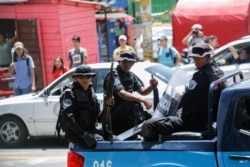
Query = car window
x=242 y=116
x=97 y=83
x=162 y=72
x=225 y=57
x=59 y=86
x=99 y=80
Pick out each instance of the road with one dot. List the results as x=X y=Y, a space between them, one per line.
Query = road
x=38 y=153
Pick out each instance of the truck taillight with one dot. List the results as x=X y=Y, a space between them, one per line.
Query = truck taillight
x=75 y=160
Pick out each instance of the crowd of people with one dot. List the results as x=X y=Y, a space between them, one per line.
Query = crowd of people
x=169 y=55
x=20 y=64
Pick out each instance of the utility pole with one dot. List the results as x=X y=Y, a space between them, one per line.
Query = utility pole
x=146 y=19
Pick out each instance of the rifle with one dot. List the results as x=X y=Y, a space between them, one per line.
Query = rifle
x=108 y=93
x=156 y=95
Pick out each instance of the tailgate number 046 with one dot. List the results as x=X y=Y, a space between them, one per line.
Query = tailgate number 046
x=102 y=164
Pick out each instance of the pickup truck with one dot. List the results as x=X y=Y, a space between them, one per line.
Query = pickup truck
x=226 y=143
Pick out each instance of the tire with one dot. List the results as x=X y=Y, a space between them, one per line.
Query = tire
x=13 y=132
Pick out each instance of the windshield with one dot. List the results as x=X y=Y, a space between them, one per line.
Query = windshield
x=162 y=72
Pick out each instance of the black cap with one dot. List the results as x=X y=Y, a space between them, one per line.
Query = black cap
x=76 y=38
x=126 y=55
x=201 y=50
x=82 y=70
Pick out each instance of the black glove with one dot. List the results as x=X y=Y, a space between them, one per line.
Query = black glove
x=89 y=139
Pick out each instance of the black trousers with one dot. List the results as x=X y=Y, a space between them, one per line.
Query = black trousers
x=126 y=115
x=164 y=126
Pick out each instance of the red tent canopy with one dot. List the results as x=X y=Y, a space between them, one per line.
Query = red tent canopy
x=226 y=19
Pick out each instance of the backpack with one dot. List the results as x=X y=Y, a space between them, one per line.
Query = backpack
x=170 y=52
x=28 y=64
x=59 y=123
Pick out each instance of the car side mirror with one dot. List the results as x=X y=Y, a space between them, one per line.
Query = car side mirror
x=46 y=92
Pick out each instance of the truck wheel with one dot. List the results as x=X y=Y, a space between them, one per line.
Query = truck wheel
x=13 y=132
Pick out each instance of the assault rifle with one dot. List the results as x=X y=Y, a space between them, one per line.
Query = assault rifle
x=106 y=115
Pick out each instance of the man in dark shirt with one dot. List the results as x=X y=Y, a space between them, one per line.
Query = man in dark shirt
x=127 y=111
x=80 y=109
x=194 y=102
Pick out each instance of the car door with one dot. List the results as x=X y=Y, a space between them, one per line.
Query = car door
x=46 y=106
x=235 y=150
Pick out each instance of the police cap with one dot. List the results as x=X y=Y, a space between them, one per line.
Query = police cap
x=126 y=55
x=83 y=70
x=201 y=50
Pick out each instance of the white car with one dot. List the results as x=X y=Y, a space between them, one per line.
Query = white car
x=35 y=114
x=223 y=54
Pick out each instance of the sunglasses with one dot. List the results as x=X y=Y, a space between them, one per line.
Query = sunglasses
x=128 y=62
x=83 y=76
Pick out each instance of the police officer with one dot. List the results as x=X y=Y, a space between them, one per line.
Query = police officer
x=194 y=102
x=127 y=111
x=80 y=109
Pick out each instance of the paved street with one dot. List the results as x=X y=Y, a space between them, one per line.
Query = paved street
x=38 y=153
x=33 y=157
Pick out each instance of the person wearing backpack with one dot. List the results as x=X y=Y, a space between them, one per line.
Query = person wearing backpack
x=22 y=68
x=80 y=110
x=168 y=55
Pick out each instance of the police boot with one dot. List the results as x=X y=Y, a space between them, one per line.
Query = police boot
x=148 y=134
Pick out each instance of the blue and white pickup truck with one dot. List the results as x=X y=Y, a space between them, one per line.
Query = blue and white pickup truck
x=226 y=143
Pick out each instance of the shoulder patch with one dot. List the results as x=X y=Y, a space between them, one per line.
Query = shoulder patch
x=117 y=81
x=192 y=84
x=66 y=103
